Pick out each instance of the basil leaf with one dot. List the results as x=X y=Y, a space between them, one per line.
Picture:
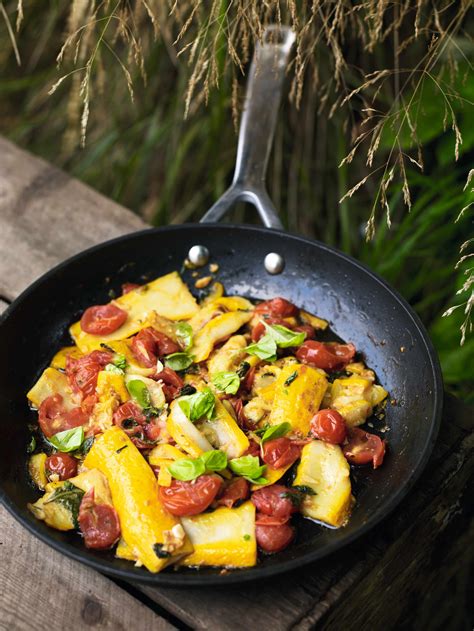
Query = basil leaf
x=160 y=552
x=178 y=361
x=227 y=382
x=214 y=460
x=265 y=348
x=187 y=469
x=248 y=467
x=243 y=369
x=139 y=392
x=113 y=368
x=69 y=440
x=184 y=333
x=276 y=431
x=187 y=389
x=283 y=337
x=31 y=445
x=291 y=378
x=120 y=362
x=85 y=447
x=70 y=497
x=195 y=406
x=306 y=490
x=295 y=498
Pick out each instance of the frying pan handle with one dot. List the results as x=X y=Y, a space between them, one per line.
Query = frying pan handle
x=257 y=128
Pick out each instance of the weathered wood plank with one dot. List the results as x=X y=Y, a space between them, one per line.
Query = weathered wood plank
x=42 y=589
x=47 y=216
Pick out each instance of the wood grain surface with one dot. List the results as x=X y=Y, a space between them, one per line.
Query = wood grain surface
x=395 y=571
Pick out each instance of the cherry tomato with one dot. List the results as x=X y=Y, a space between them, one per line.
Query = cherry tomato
x=278 y=307
x=280 y=452
x=242 y=419
x=327 y=356
x=236 y=491
x=248 y=380
x=273 y=538
x=82 y=373
x=63 y=465
x=259 y=329
x=102 y=319
x=172 y=383
x=305 y=328
x=190 y=498
x=363 y=447
x=329 y=425
x=274 y=500
x=129 y=417
x=99 y=523
x=149 y=344
x=126 y=287
x=253 y=449
x=54 y=418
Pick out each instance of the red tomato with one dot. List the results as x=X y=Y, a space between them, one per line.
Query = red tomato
x=236 y=491
x=253 y=449
x=172 y=383
x=280 y=452
x=363 y=447
x=259 y=329
x=278 y=307
x=327 y=356
x=63 y=465
x=99 y=523
x=190 y=498
x=149 y=344
x=249 y=378
x=130 y=418
x=273 y=500
x=126 y=287
x=102 y=319
x=242 y=419
x=53 y=417
x=306 y=328
x=82 y=373
x=272 y=538
x=329 y=425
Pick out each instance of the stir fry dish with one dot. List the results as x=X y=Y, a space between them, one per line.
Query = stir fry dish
x=198 y=434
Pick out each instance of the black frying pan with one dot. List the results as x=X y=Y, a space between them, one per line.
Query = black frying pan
x=361 y=307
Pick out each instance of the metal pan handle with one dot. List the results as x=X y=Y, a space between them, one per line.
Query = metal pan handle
x=257 y=128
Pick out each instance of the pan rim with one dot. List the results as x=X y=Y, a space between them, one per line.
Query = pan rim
x=255 y=573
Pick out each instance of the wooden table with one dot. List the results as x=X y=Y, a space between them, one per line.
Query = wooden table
x=402 y=575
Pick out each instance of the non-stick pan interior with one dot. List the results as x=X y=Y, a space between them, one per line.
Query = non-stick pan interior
x=360 y=307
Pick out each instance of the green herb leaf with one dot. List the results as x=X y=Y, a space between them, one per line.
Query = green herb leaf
x=195 y=406
x=276 y=431
x=113 y=368
x=160 y=552
x=187 y=468
x=291 y=378
x=178 y=361
x=243 y=369
x=295 y=498
x=302 y=488
x=120 y=361
x=117 y=451
x=139 y=392
x=247 y=537
x=283 y=337
x=187 y=389
x=69 y=440
x=227 y=382
x=184 y=333
x=265 y=348
x=69 y=496
x=248 y=467
x=85 y=447
x=214 y=460
x=31 y=445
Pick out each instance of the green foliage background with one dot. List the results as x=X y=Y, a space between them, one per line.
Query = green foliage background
x=147 y=156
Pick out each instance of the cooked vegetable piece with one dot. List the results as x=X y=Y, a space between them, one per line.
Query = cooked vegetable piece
x=225 y=537
x=36 y=468
x=185 y=433
x=168 y=296
x=216 y=330
x=59 y=506
x=224 y=433
x=314 y=321
x=297 y=402
x=354 y=398
x=229 y=356
x=51 y=382
x=324 y=469
x=59 y=360
x=143 y=520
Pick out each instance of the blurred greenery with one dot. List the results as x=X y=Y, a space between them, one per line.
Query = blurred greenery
x=147 y=156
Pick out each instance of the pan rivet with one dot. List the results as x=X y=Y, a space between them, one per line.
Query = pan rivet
x=274 y=263
x=198 y=255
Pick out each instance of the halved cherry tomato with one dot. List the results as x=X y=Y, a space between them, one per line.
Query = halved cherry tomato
x=82 y=372
x=102 y=319
x=126 y=287
x=54 y=418
x=305 y=328
x=99 y=523
x=190 y=498
x=129 y=417
x=149 y=344
x=327 y=356
x=242 y=419
x=278 y=307
x=63 y=465
x=172 y=383
x=275 y=500
x=272 y=537
x=236 y=491
x=329 y=425
x=363 y=447
x=253 y=448
x=280 y=452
